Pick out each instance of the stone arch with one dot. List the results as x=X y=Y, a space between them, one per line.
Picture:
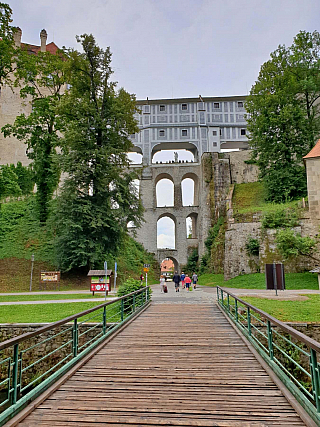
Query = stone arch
x=175 y=262
x=195 y=179
x=164 y=196
x=174 y=220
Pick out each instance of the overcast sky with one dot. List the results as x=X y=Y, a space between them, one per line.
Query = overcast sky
x=174 y=48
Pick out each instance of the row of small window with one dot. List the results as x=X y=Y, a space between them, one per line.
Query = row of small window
x=184 y=132
x=185 y=106
x=242 y=132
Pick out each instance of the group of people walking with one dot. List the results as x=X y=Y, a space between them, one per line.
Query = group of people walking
x=184 y=279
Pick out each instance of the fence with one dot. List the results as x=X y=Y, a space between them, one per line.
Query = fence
x=31 y=362
x=292 y=355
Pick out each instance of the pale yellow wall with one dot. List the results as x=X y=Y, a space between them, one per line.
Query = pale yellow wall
x=11 y=105
x=313 y=180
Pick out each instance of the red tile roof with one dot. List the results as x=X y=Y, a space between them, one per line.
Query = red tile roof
x=51 y=47
x=315 y=152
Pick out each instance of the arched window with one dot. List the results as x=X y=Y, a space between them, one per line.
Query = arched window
x=191 y=226
x=166 y=233
x=165 y=193
x=135 y=158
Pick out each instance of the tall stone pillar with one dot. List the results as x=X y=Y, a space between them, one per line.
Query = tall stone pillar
x=43 y=38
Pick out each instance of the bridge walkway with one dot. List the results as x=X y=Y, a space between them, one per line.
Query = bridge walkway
x=175 y=365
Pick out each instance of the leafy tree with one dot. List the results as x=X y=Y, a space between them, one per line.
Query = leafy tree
x=292 y=245
x=25 y=177
x=41 y=79
x=283 y=115
x=8 y=182
x=98 y=197
x=7 y=47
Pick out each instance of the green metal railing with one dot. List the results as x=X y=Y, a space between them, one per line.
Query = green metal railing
x=30 y=363
x=293 y=356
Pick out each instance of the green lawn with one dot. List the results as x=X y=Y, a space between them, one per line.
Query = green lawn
x=13 y=298
x=257 y=281
x=289 y=311
x=42 y=313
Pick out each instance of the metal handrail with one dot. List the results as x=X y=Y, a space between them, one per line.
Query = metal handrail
x=53 y=325
x=306 y=387
x=27 y=369
x=296 y=334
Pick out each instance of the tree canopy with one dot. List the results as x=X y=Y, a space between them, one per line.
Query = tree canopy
x=283 y=115
x=7 y=47
x=98 y=197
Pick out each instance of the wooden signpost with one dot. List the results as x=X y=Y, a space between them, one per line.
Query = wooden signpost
x=49 y=277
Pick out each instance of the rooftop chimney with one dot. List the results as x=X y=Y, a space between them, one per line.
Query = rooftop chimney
x=17 y=37
x=43 y=38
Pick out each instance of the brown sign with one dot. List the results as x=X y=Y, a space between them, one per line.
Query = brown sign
x=49 y=276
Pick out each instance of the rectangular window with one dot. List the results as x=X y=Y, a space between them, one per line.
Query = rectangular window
x=240 y=104
x=162 y=132
x=220 y=132
x=216 y=105
x=184 y=132
x=184 y=107
x=162 y=108
x=242 y=131
x=214 y=133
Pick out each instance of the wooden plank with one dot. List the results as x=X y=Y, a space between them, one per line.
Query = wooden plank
x=176 y=365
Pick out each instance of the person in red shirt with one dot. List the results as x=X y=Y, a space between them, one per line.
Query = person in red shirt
x=188 y=282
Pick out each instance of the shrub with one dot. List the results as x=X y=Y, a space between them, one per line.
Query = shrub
x=130 y=285
x=252 y=246
x=281 y=218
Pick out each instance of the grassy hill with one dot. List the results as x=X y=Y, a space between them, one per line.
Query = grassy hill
x=21 y=236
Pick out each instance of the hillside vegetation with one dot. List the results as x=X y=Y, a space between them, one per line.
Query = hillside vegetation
x=21 y=235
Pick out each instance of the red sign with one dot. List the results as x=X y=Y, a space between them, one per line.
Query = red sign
x=99 y=287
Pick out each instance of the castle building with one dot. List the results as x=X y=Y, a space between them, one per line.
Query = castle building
x=200 y=125
x=11 y=105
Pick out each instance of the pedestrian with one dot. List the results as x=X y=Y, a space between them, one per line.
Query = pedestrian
x=162 y=283
x=176 y=280
x=194 y=280
x=188 y=282
x=182 y=277
x=141 y=278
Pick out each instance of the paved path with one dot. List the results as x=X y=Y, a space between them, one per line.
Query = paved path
x=56 y=301
x=178 y=364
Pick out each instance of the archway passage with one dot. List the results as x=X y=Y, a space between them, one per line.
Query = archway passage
x=166 y=233
x=164 y=152
x=167 y=268
x=187 y=189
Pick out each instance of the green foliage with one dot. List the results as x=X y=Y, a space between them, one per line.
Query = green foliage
x=8 y=182
x=283 y=115
x=285 y=217
x=7 y=48
x=213 y=233
x=98 y=197
x=192 y=264
x=130 y=285
x=42 y=77
x=291 y=245
x=252 y=246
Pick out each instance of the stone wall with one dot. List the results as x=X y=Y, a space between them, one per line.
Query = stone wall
x=242 y=172
x=237 y=261
x=313 y=180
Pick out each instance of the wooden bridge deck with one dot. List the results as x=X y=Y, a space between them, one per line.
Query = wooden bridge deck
x=175 y=365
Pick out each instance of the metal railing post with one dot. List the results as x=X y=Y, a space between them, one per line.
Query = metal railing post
x=148 y=294
x=218 y=295
x=270 y=342
x=15 y=373
x=134 y=303
x=228 y=303
x=104 y=327
x=236 y=310
x=122 y=309
x=315 y=375
x=249 y=320
x=75 y=338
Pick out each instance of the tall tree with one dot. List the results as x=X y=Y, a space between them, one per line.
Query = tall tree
x=42 y=80
x=98 y=197
x=283 y=115
x=7 y=47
